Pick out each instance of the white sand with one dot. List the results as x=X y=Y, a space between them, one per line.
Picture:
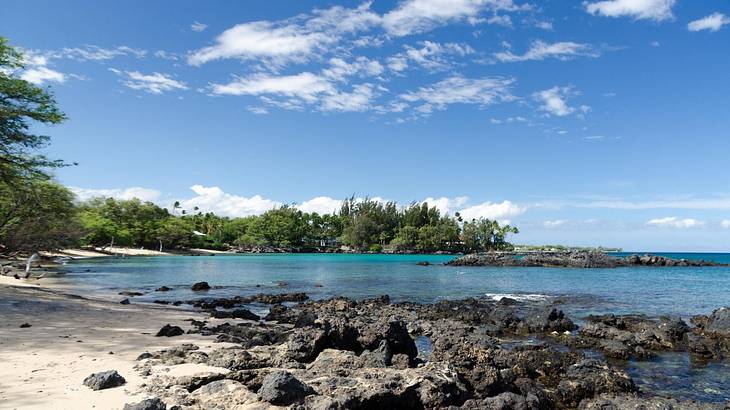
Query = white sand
x=43 y=366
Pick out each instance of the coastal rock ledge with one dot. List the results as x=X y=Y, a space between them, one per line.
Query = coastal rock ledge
x=474 y=353
x=571 y=259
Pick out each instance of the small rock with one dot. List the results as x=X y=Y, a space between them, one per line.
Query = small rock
x=281 y=388
x=170 y=331
x=124 y=302
x=200 y=286
x=163 y=289
x=104 y=380
x=424 y=263
x=130 y=293
x=147 y=404
x=24 y=325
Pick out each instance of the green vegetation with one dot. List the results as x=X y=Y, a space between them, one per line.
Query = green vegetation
x=364 y=225
x=37 y=213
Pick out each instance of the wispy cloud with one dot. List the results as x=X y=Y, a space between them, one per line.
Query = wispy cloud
x=674 y=222
x=713 y=22
x=540 y=50
x=414 y=16
x=460 y=90
x=197 y=26
x=554 y=101
x=657 y=10
x=143 y=194
x=299 y=90
x=155 y=83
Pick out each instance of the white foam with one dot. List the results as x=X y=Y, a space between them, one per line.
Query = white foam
x=520 y=297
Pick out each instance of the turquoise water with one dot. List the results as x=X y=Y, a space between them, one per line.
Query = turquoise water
x=677 y=291
x=654 y=291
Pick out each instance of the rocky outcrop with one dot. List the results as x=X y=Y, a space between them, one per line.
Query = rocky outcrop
x=104 y=380
x=710 y=338
x=632 y=336
x=342 y=354
x=571 y=259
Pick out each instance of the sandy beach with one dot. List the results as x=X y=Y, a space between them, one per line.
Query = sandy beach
x=70 y=338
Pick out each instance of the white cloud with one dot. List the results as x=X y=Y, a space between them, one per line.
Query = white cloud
x=446 y=205
x=294 y=91
x=713 y=22
x=544 y=25
x=196 y=26
x=213 y=199
x=262 y=39
x=540 y=50
x=143 y=194
x=460 y=90
x=553 y=101
x=414 y=16
x=492 y=210
x=155 y=83
x=41 y=74
x=340 y=69
x=321 y=205
x=296 y=39
x=258 y=110
x=357 y=100
x=725 y=223
x=674 y=222
x=305 y=86
x=95 y=53
x=554 y=224
x=657 y=10
x=431 y=55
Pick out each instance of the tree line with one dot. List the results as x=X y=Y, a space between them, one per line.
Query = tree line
x=37 y=213
x=365 y=225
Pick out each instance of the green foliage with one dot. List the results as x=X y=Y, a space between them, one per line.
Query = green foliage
x=21 y=105
x=35 y=212
x=38 y=216
x=486 y=235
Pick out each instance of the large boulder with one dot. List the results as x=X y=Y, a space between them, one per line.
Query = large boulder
x=394 y=332
x=719 y=321
x=282 y=388
x=200 y=286
x=170 y=331
x=104 y=380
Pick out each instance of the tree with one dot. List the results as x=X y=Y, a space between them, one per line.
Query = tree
x=21 y=104
x=41 y=216
x=484 y=234
x=35 y=212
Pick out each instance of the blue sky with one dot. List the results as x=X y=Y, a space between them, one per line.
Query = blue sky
x=586 y=123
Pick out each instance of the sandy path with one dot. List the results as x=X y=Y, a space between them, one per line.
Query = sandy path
x=43 y=366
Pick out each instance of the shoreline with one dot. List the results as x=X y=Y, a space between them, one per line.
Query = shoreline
x=229 y=353
x=71 y=337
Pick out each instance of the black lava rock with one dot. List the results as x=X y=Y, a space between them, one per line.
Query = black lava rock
x=104 y=380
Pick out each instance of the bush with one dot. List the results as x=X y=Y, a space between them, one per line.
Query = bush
x=376 y=247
